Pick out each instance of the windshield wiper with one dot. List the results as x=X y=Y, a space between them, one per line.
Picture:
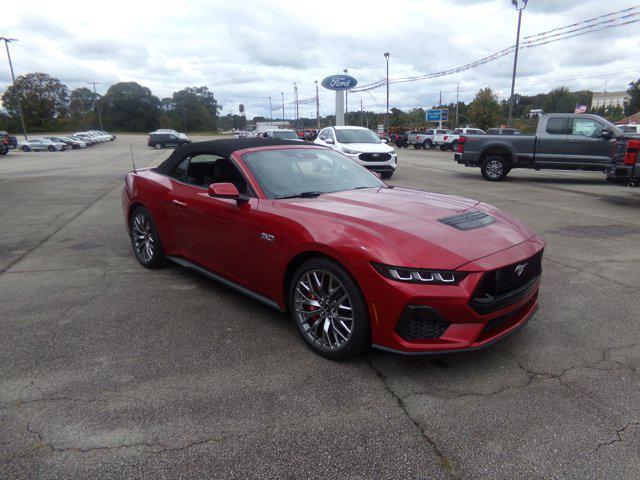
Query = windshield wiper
x=302 y=195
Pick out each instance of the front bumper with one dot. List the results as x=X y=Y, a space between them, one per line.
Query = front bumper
x=385 y=166
x=462 y=327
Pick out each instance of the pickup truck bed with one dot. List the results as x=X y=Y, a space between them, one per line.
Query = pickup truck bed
x=563 y=141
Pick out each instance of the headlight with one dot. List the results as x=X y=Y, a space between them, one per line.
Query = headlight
x=349 y=151
x=419 y=275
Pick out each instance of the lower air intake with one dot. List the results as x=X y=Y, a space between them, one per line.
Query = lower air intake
x=421 y=323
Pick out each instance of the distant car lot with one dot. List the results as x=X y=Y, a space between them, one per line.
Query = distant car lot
x=108 y=370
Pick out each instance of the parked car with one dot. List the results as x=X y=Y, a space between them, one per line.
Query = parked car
x=85 y=137
x=308 y=231
x=39 y=144
x=162 y=140
x=431 y=138
x=453 y=145
x=282 y=134
x=630 y=128
x=563 y=141
x=625 y=165
x=362 y=145
x=68 y=141
x=7 y=140
x=504 y=131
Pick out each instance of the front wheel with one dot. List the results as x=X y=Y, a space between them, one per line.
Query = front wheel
x=329 y=310
x=427 y=145
x=51 y=148
x=3 y=149
x=25 y=148
x=494 y=168
x=386 y=175
x=145 y=239
x=416 y=146
x=158 y=146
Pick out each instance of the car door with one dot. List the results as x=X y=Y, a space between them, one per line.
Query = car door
x=551 y=144
x=585 y=144
x=217 y=233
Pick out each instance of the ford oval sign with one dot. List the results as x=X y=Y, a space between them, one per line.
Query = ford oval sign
x=339 y=82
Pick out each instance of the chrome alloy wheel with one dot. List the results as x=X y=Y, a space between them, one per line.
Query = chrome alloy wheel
x=494 y=168
x=142 y=236
x=323 y=309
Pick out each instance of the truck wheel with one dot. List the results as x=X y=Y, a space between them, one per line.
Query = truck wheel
x=416 y=146
x=444 y=147
x=494 y=168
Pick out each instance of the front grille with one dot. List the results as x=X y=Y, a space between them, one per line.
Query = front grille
x=421 y=323
x=375 y=157
x=510 y=278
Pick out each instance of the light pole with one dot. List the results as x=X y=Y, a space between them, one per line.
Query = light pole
x=7 y=41
x=270 y=109
x=520 y=6
x=317 y=106
x=282 y=93
x=95 y=99
x=295 y=103
x=346 y=102
x=386 y=117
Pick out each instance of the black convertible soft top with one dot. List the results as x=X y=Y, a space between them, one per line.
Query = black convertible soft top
x=223 y=148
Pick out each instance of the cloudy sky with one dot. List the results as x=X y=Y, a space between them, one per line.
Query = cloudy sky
x=248 y=50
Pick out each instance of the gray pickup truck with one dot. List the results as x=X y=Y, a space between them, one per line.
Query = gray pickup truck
x=563 y=141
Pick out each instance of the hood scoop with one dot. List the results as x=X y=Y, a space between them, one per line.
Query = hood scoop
x=468 y=221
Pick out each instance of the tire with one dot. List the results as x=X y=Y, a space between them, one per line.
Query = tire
x=51 y=148
x=3 y=149
x=444 y=147
x=157 y=146
x=386 y=175
x=145 y=240
x=494 y=168
x=428 y=145
x=25 y=148
x=417 y=146
x=328 y=333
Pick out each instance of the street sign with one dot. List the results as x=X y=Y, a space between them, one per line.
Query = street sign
x=437 y=115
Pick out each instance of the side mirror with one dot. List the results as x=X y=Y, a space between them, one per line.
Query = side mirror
x=606 y=134
x=226 y=190
x=329 y=140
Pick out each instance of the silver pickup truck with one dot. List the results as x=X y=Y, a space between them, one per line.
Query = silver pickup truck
x=563 y=141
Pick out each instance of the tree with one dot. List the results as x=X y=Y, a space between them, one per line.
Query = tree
x=130 y=106
x=560 y=100
x=484 y=112
x=81 y=101
x=43 y=98
x=633 y=105
x=193 y=108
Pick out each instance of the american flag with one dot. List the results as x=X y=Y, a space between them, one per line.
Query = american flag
x=580 y=109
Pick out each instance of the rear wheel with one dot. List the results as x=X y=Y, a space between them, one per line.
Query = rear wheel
x=427 y=145
x=329 y=310
x=494 y=168
x=386 y=175
x=25 y=148
x=145 y=240
x=417 y=146
x=158 y=146
x=3 y=149
x=51 y=148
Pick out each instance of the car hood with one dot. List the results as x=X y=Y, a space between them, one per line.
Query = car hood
x=368 y=147
x=400 y=226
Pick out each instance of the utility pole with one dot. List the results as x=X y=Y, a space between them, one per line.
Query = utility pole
x=295 y=103
x=457 y=104
x=95 y=99
x=184 y=120
x=346 y=102
x=270 y=109
x=317 y=106
x=440 y=101
x=520 y=6
x=361 y=114
x=282 y=93
x=386 y=117
x=7 y=41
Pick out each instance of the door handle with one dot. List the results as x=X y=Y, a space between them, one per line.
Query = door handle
x=574 y=141
x=178 y=203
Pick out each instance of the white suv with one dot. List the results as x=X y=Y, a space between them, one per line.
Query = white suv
x=363 y=146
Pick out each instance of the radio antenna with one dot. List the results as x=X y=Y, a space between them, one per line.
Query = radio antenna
x=132 y=160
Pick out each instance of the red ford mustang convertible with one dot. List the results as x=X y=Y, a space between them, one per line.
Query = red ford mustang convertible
x=353 y=261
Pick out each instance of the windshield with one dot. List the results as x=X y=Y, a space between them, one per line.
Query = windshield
x=284 y=135
x=291 y=172
x=356 y=136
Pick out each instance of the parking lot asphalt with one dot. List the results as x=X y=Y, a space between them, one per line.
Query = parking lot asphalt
x=109 y=370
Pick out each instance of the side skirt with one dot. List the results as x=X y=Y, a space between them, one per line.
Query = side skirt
x=227 y=283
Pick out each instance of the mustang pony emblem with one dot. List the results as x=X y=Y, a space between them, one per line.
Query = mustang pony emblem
x=520 y=268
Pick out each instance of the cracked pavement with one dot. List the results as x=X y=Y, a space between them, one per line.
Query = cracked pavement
x=109 y=370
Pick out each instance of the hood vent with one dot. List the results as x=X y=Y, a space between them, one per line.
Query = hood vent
x=468 y=221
